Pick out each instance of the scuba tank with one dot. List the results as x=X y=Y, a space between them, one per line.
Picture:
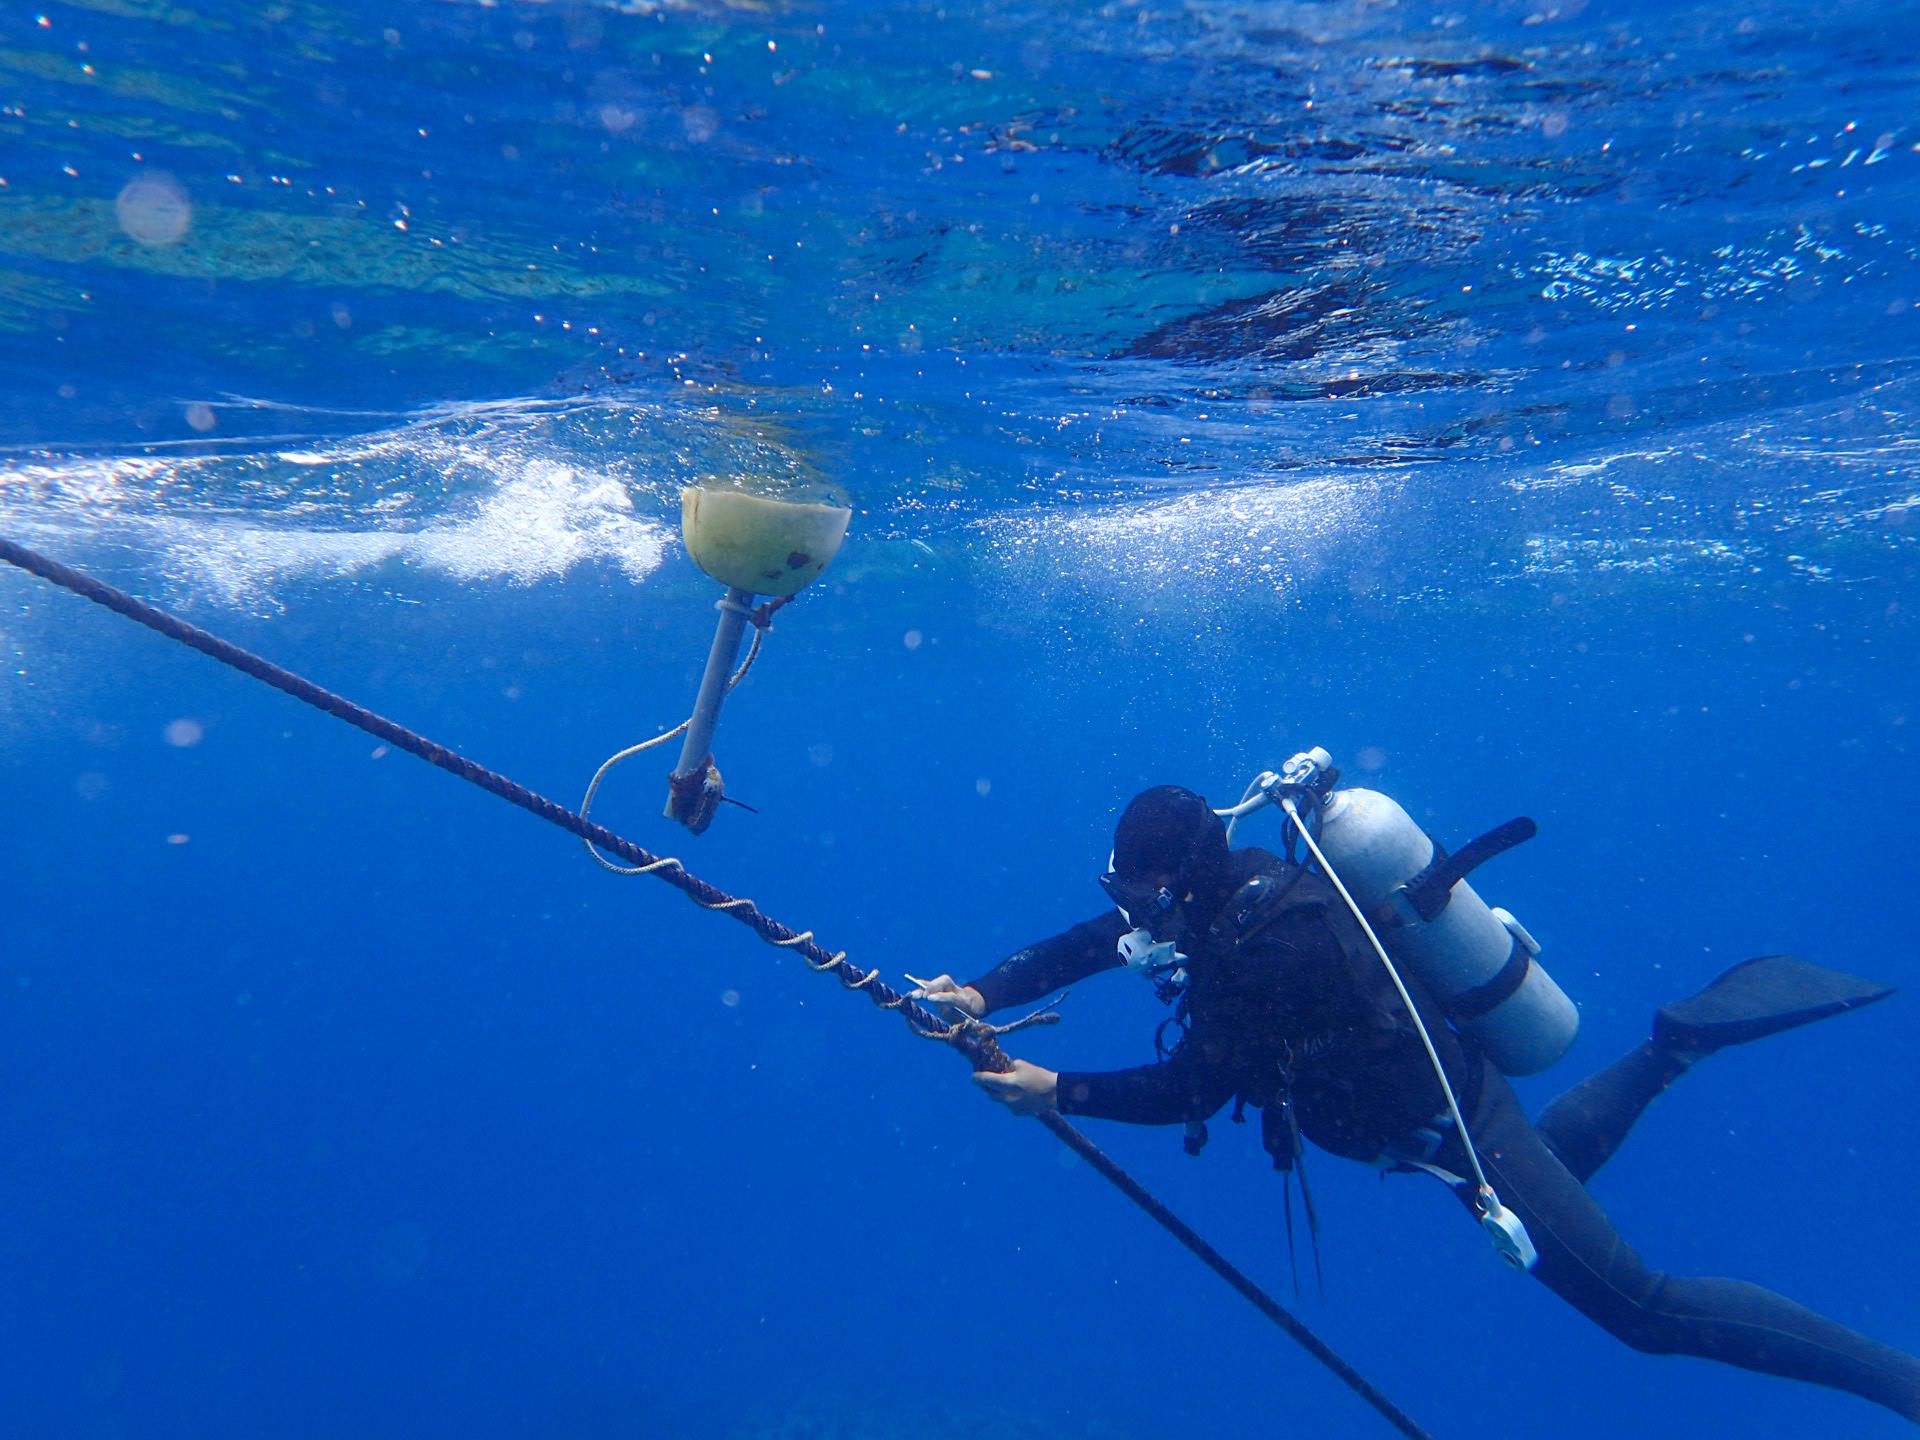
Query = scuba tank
x=1478 y=961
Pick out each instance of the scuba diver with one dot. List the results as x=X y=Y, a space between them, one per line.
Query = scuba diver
x=1286 y=1008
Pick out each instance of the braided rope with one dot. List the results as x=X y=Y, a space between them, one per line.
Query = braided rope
x=664 y=868
x=975 y=1039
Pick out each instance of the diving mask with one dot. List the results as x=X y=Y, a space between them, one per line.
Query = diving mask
x=1147 y=906
x=1154 y=912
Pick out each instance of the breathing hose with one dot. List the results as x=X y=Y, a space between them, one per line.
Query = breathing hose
x=1503 y=1227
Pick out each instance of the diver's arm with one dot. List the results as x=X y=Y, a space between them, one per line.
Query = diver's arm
x=1182 y=1087
x=1178 y=1089
x=1038 y=970
x=1163 y=1094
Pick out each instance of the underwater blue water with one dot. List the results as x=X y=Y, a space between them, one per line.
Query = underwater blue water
x=1514 y=398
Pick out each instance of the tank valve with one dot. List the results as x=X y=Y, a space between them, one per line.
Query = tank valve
x=1306 y=779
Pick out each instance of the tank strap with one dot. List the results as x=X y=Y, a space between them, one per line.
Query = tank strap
x=1487 y=997
x=1430 y=890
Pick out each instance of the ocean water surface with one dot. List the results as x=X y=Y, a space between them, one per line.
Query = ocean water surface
x=1514 y=398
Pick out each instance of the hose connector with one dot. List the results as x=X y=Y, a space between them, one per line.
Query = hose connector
x=1510 y=1239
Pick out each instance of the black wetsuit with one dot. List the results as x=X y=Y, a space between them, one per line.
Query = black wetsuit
x=1288 y=1010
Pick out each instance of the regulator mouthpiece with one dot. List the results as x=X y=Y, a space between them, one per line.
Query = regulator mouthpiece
x=1155 y=960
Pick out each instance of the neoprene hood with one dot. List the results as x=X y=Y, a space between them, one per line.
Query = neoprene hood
x=1172 y=831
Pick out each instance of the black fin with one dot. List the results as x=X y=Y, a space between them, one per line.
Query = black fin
x=1757 y=998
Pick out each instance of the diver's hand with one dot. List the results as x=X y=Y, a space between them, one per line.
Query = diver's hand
x=945 y=990
x=1025 y=1089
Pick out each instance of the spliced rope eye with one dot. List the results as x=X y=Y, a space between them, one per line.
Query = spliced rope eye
x=975 y=1039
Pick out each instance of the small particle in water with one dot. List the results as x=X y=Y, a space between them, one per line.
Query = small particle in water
x=730 y=998
x=185 y=732
x=379 y=752
x=983 y=787
x=178 y=838
x=1370 y=757
x=912 y=639
x=153 y=209
x=201 y=417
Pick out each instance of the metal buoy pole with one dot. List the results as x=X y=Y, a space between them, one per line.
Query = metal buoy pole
x=690 y=777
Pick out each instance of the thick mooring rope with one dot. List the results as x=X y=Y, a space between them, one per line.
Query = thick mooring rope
x=974 y=1039
x=661 y=868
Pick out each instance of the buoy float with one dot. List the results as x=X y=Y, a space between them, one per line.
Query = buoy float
x=759 y=544
x=754 y=544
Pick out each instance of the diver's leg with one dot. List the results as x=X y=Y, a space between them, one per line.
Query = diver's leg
x=1755 y=998
x=1585 y=1262
x=1585 y=1126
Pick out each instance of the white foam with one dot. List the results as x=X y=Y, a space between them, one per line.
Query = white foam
x=1272 y=538
x=507 y=505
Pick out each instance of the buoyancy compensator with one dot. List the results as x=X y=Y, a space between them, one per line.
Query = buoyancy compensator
x=1305 y=791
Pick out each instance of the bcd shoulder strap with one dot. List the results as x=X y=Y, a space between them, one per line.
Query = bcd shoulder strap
x=1261 y=900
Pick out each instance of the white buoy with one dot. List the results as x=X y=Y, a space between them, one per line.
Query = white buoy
x=759 y=544
x=754 y=545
